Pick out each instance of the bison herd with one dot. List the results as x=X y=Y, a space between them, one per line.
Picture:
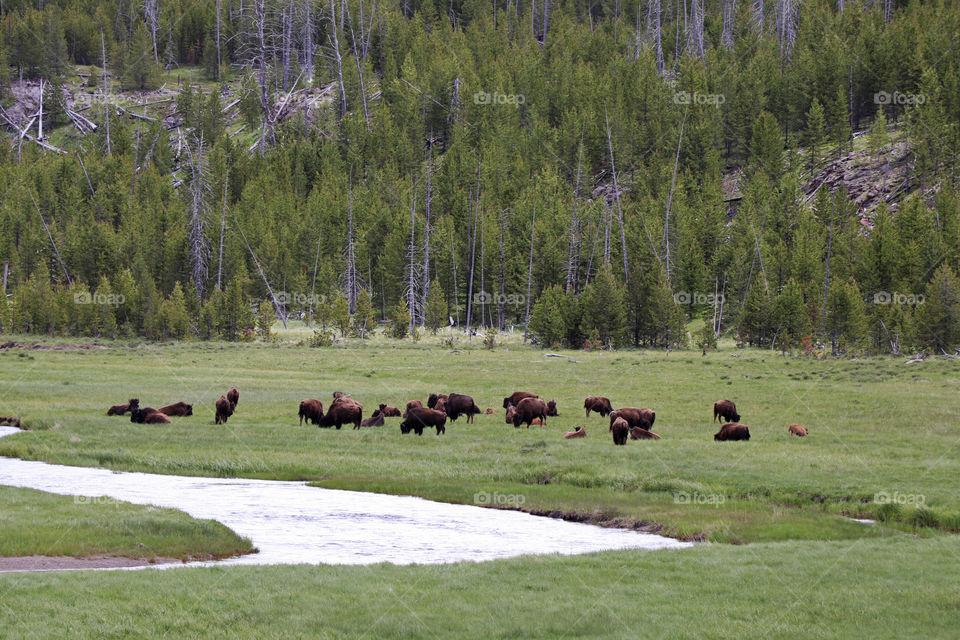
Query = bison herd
x=522 y=407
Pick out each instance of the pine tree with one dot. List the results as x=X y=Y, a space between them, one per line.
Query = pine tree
x=436 y=312
x=846 y=316
x=265 y=319
x=363 y=320
x=340 y=314
x=547 y=319
x=400 y=320
x=938 y=325
x=816 y=131
x=603 y=308
x=790 y=319
x=766 y=145
x=879 y=139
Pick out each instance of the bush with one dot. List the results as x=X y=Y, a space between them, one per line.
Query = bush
x=321 y=338
x=923 y=517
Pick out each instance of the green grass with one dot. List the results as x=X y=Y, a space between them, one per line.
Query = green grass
x=876 y=425
x=894 y=588
x=39 y=523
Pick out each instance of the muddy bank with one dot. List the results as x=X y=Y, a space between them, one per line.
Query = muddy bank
x=61 y=563
x=602 y=520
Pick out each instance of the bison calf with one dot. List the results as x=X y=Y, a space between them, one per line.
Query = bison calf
x=579 y=432
x=797 y=430
x=620 y=430
x=727 y=410
x=637 y=433
x=120 y=409
x=389 y=412
x=732 y=431
x=552 y=409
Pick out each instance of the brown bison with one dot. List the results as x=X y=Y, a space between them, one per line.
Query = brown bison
x=411 y=405
x=120 y=409
x=342 y=411
x=552 y=409
x=148 y=415
x=528 y=410
x=419 y=417
x=233 y=397
x=732 y=431
x=797 y=430
x=389 y=412
x=441 y=405
x=488 y=412
x=727 y=410
x=620 y=430
x=579 y=432
x=340 y=394
x=458 y=404
x=435 y=398
x=599 y=404
x=376 y=420
x=511 y=412
x=515 y=398
x=311 y=410
x=224 y=410
x=177 y=409
x=636 y=433
x=642 y=418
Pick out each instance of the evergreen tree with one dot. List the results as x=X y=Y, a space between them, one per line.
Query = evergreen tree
x=603 y=308
x=363 y=321
x=846 y=316
x=547 y=318
x=340 y=314
x=400 y=320
x=816 y=131
x=265 y=319
x=436 y=312
x=938 y=325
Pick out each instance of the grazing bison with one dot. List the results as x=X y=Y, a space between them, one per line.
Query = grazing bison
x=435 y=398
x=620 y=430
x=599 y=404
x=177 y=409
x=642 y=418
x=340 y=394
x=732 y=431
x=389 y=412
x=120 y=409
x=489 y=411
x=511 y=412
x=376 y=420
x=224 y=410
x=419 y=417
x=552 y=409
x=727 y=410
x=797 y=430
x=636 y=433
x=311 y=410
x=579 y=432
x=528 y=410
x=515 y=398
x=147 y=415
x=411 y=405
x=233 y=397
x=458 y=404
x=341 y=412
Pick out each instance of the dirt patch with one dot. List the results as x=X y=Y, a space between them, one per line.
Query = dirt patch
x=57 y=563
x=602 y=520
x=52 y=347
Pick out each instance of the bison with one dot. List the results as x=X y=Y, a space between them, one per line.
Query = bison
x=511 y=412
x=528 y=409
x=489 y=411
x=458 y=404
x=340 y=394
x=515 y=398
x=552 y=409
x=797 y=430
x=177 y=409
x=579 y=432
x=233 y=397
x=389 y=412
x=435 y=398
x=637 y=433
x=620 y=430
x=411 y=405
x=311 y=410
x=224 y=410
x=120 y=409
x=635 y=417
x=727 y=410
x=732 y=431
x=376 y=420
x=441 y=405
x=419 y=417
x=148 y=415
x=599 y=404
x=341 y=412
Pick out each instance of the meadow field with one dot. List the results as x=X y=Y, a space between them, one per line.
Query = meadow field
x=883 y=445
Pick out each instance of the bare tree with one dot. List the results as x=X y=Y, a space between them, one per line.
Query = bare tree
x=729 y=15
x=786 y=26
x=665 y=245
x=501 y=321
x=428 y=196
x=471 y=244
x=695 y=31
x=616 y=192
x=654 y=28
x=223 y=224
x=412 y=278
x=533 y=228
x=106 y=92
x=338 y=59
x=456 y=290
x=56 y=251
x=198 y=193
x=758 y=16
x=574 y=224
x=308 y=42
x=151 y=14
x=219 y=61
x=350 y=276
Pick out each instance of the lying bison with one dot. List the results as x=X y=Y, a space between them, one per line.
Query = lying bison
x=177 y=409
x=311 y=410
x=120 y=409
x=620 y=430
x=579 y=432
x=389 y=412
x=797 y=430
x=458 y=404
x=528 y=410
x=515 y=398
x=376 y=420
x=224 y=409
x=148 y=415
x=552 y=409
x=419 y=417
x=599 y=404
x=727 y=410
x=732 y=431
x=636 y=433
x=635 y=417
x=343 y=411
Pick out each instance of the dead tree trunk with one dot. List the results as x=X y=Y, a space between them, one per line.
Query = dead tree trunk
x=199 y=190
x=106 y=92
x=412 y=251
x=50 y=237
x=426 y=232
x=313 y=283
x=665 y=246
x=351 y=259
x=616 y=191
x=573 y=223
x=456 y=290
x=729 y=15
x=471 y=244
x=501 y=321
x=526 y=322
x=219 y=59
x=338 y=59
x=277 y=304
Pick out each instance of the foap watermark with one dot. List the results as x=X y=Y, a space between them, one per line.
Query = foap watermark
x=485 y=297
x=698 y=297
x=884 y=98
x=109 y=299
x=896 y=297
x=687 y=97
x=302 y=299
x=482 y=97
x=510 y=499
x=684 y=497
x=885 y=497
x=95 y=500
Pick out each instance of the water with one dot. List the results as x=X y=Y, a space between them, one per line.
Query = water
x=292 y=523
